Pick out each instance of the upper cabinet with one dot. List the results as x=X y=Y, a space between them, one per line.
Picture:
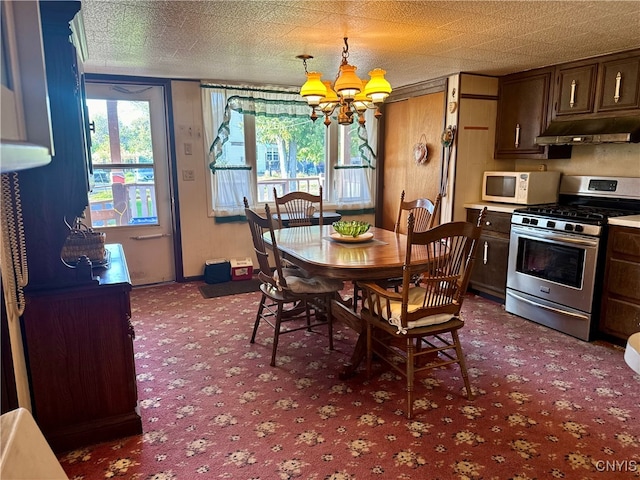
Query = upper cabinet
x=602 y=86
x=619 y=82
x=59 y=190
x=522 y=114
x=577 y=88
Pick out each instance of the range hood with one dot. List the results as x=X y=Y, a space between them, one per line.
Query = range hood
x=592 y=131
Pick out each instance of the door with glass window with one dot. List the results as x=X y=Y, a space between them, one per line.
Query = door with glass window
x=130 y=197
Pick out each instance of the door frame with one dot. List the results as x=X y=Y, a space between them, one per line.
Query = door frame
x=173 y=175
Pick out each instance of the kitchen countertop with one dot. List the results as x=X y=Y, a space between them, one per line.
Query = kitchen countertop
x=632 y=221
x=493 y=207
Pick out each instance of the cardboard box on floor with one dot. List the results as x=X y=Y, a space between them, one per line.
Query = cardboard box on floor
x=241 y=268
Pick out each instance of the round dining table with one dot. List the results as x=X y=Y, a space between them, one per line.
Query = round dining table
x=379 y=254
x=376 y=255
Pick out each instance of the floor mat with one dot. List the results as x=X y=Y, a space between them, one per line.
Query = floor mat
x=229 y=288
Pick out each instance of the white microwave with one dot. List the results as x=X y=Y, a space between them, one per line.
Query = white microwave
x=522 y=188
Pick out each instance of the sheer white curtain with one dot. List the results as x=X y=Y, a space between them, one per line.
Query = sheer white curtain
x=354 y=184
x=232 y=178
x=232 y=182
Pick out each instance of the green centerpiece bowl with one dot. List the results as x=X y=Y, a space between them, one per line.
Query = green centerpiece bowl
x=352 y=228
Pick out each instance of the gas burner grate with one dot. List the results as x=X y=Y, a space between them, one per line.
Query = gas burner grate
x=575 y=212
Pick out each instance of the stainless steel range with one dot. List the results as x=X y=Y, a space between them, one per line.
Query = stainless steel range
x=556 y=252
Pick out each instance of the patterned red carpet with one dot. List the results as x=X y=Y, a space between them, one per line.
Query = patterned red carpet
x=548 y=406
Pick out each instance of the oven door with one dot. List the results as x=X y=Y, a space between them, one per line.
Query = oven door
x=553 y=266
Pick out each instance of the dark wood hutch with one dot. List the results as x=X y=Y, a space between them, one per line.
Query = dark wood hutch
x=77 y=335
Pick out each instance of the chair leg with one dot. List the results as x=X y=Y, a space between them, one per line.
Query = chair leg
x=327 y=302
x=276 y=334
x=258 y=317
x=356 y=293
x=369 y=349
x=463 y=364
x=307 y=309
x=410 y=372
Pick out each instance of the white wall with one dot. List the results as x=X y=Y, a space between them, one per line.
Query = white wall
x=475 y=121
x=202 y=238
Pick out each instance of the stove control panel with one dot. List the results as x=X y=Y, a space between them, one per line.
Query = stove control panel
x=556 y=225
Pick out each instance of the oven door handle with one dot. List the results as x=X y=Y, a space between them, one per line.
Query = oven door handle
x=554 y=237
x=551 y=309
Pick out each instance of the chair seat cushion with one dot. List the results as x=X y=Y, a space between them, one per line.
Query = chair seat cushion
x=299 y=281
x=416 y=296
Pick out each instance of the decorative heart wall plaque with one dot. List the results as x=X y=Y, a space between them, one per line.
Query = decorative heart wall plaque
x=421 y=152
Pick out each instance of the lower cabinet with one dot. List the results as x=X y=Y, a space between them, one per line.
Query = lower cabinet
x=490 y=269
x=620 y=312
x=79 y=352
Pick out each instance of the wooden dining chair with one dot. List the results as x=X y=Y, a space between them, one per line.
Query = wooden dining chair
x=420 y=324
x=425 y=214
x=299 y=208
x=291 y=300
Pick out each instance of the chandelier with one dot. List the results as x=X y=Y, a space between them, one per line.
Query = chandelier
x=350 y=95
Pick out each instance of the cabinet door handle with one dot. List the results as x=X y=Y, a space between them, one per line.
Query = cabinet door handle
x=517 y=135
x=487 y=223
x=572 y=98
x=485 y=254
x=616 y=96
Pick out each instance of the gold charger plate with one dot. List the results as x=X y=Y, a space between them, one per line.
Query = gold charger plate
x=359 y=239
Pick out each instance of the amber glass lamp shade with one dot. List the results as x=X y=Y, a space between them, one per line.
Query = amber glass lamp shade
x=313 y=89
x=361 y=102
x=348 y=84
x=330 y=99
x=378 y=89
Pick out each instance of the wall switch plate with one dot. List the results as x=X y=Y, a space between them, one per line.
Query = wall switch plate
x=188 y=175
x=188 y=149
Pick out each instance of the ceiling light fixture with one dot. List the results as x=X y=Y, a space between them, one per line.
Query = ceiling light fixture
x=349 y=94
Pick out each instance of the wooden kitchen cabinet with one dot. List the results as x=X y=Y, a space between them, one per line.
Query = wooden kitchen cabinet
x=620 y=311
x=599 y=87
x=576 y=89
x=79 y=352
x=490 y=268
x=522 y=114
x=619 y=88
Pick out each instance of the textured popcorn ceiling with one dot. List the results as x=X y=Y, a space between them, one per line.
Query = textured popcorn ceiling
x=257 y=41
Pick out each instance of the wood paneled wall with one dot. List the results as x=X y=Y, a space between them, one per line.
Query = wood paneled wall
x=406 y=122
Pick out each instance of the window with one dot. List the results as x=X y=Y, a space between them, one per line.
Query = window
x=263 y=140
x=123 y=190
